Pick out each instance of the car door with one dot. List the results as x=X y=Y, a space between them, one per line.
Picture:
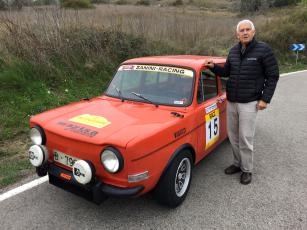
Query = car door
x=211 y=112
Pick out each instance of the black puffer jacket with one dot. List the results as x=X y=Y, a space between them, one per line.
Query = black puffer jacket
x=252 y=75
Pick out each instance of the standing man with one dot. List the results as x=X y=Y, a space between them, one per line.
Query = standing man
x=253 y=74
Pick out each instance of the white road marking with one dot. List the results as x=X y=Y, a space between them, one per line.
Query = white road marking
x=23 y=188
x=285 y=74
x=41 y=180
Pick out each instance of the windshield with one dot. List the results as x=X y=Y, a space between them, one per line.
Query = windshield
x=153 y=84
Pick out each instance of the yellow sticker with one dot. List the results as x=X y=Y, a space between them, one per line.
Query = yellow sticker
x=91 y=120
x=212 y=127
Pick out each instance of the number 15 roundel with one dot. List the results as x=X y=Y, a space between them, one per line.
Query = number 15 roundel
x=212 y=125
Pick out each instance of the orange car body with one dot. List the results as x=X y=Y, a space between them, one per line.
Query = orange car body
x=147 y=136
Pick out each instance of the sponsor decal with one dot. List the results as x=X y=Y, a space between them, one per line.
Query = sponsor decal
x=127 y=67
x=251 y=59
x=91 y=120
x=32 y=156
x=78 y=129
x=77 y=172
x=178 y=102
x=161 y=69
x=180 y=133
x=211 y=108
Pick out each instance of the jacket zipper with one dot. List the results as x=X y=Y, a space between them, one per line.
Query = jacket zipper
x=237 y=79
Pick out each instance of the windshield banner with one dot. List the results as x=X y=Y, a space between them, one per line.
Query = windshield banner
x=161 y=69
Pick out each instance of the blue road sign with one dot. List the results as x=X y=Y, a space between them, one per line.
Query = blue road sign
x=297 y=47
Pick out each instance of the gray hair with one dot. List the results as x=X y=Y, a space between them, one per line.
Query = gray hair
x=245 y=21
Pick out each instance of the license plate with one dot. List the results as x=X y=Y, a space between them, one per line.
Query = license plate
x=64 y=158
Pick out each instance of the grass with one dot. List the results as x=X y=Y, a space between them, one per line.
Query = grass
x=14 y=170
x=14 y=164
x=292 y=68
x=50 y=56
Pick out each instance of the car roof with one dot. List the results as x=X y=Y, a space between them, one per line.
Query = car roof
x=192 y=61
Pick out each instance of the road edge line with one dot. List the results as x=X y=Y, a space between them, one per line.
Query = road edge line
x=23 y=188
x=300 y=71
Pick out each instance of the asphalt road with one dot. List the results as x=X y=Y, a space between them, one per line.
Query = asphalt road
x=276 y=199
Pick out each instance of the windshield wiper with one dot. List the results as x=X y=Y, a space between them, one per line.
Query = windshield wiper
x=118 y=92
x=144 y=98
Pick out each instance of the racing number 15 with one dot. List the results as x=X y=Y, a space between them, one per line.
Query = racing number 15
x=215 y=127
x=212 y=127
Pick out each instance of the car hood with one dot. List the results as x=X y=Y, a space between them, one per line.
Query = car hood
x=105 y=121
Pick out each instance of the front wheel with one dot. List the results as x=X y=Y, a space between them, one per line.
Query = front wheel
x=175 y=183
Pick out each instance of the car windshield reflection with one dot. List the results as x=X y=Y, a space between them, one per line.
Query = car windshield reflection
x=158 y=84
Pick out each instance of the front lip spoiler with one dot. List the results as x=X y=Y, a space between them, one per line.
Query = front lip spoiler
x=95 y=191
x=121 y=192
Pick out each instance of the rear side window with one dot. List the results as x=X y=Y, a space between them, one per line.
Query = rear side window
x=207 y=86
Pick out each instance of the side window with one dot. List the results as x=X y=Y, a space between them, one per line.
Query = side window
x=207 y=86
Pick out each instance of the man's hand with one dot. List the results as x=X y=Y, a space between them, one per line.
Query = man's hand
x=261 y=105
x=209 y=63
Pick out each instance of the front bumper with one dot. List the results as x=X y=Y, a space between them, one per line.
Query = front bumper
x=96 y=191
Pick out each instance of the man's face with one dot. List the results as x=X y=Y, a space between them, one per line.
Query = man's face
x=245 y=33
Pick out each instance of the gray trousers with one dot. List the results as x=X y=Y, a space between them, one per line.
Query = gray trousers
x=241 y=124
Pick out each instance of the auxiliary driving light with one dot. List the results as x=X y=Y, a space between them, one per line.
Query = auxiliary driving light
x=38 y=155
x=83 y=172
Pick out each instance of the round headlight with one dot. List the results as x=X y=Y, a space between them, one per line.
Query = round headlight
x=37 y=136
x=112 y=160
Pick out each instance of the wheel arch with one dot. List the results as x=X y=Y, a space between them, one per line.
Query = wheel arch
x=183 y=147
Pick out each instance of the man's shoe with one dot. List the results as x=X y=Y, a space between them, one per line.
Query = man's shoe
x=246 y=178
x=232 y=169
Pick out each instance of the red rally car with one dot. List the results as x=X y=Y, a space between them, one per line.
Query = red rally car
x=158 y=118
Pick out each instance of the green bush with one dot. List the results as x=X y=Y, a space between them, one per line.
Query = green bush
x=250 y=5
x=3 y=5
x=101 y=1
x=143 y=2
x=281 y=33
x=13 y=4
x=280 y=3
x=76 y=4
x=45 y=2
x=177 y=3
x=121 y=2
x=256 y=5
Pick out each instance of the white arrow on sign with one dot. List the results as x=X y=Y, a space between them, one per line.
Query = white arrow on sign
x=297 y=47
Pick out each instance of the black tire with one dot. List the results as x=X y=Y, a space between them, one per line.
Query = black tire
x=165 y=191
x=41 y=171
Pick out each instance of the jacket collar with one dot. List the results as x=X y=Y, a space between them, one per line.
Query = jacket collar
x=249 y=47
